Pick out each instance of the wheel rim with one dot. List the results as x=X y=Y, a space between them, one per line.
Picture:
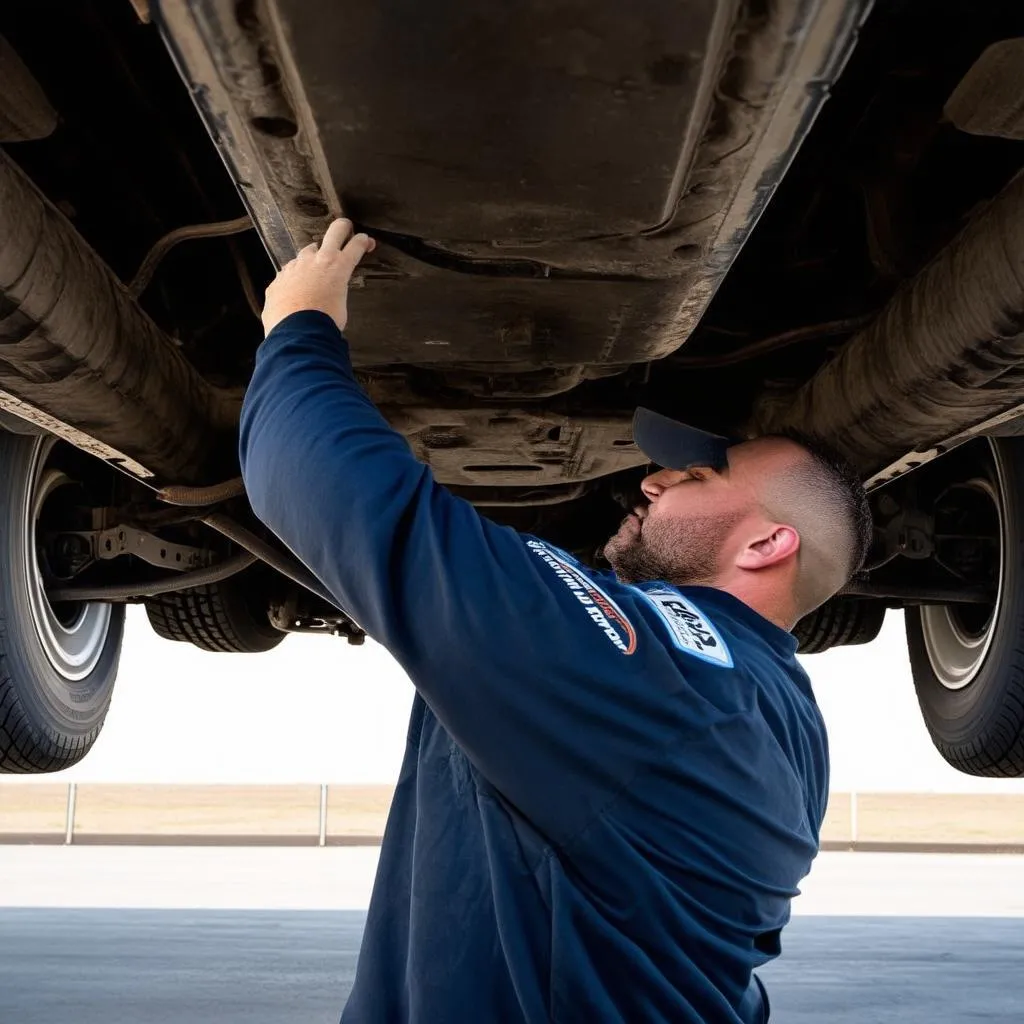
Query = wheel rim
x=957 y=639
x=72 y=636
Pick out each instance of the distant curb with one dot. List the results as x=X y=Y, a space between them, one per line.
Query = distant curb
x=903 y=846
x=127 y=839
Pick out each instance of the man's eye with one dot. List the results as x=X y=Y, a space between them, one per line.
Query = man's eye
x=701 y=473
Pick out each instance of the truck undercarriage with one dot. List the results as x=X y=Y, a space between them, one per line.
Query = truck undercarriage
x=751 y=216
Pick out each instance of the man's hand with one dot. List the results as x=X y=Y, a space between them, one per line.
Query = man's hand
x=318 y=277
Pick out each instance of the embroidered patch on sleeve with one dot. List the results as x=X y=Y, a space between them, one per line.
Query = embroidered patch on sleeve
x=603 y=611
x=688 y=626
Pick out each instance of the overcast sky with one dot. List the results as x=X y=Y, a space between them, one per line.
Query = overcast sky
x=318 y=710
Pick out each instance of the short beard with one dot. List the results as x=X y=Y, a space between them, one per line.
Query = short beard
x=683 y=552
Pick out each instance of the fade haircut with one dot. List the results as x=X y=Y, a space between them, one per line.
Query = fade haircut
x=822 y=497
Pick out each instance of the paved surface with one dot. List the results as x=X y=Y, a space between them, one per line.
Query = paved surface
x=279 y=967
x=863 y=970
x=162 y=877
x=877 y=938
x=339 y=878
x=914 y=885
x=176 y=966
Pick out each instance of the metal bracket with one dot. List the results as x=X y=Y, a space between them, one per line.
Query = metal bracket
x=994 y=425
x=288 y=618
x=912 y=594
x=911 y=533
x=103 y=545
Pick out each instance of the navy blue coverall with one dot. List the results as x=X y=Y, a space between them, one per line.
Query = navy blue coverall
x=610 y=792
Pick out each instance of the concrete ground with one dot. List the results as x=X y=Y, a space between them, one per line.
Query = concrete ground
x=106 y=935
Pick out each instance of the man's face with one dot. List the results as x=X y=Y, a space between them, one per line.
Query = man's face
x=686 y=532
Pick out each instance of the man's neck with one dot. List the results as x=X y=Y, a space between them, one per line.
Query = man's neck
x=764 y=597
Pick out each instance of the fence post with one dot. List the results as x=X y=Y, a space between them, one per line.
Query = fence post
x=853 y=816
x=323 y=814
x=69 y=821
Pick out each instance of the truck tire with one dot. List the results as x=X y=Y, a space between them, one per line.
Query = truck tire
x=968 y=660
x=58 y=663
x=839 y=622
x=225 y=617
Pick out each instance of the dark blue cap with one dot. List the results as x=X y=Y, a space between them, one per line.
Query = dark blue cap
x=674 y=445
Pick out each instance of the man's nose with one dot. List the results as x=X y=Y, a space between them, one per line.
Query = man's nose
x=654 y=484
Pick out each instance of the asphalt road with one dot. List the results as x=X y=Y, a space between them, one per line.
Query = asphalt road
x=272 y=967
x=111 y=936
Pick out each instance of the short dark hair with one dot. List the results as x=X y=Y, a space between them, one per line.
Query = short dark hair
x=846 y=487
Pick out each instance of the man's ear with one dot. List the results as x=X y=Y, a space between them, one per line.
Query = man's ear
x=770 y=548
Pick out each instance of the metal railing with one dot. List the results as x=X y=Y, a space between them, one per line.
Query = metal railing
x=319 y=814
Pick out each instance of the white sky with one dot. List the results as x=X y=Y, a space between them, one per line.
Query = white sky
x=318 y=710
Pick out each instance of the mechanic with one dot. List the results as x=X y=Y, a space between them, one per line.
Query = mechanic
x=613 y=782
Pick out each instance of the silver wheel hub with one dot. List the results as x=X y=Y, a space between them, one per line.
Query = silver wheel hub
x=72 y=636
x=956 y=648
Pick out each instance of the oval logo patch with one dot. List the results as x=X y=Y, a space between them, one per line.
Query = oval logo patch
x=688 y=627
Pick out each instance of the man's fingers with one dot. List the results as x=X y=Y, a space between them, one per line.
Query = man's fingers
x=354 y=251
x=336 y=235
x=300 y=256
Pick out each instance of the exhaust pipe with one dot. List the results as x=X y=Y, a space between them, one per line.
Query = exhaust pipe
x=944 y=356
x=79 y=358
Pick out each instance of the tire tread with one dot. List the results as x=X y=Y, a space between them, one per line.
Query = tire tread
x=36 y=737
x=994 y=744
x=23 y=750
x=207 y=618
x=841 y=621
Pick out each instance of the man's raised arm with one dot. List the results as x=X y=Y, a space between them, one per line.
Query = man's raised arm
x=498 y=644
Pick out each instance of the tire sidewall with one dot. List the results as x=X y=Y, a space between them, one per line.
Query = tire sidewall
x=962 y=721
x=56 y=709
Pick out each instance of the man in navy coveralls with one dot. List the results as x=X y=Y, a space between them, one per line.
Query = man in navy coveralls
x=614 y=781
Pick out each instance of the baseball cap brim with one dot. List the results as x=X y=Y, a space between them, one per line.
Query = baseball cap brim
x=674 y=445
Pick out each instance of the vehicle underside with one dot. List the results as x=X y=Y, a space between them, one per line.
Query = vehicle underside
x=753 y=216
